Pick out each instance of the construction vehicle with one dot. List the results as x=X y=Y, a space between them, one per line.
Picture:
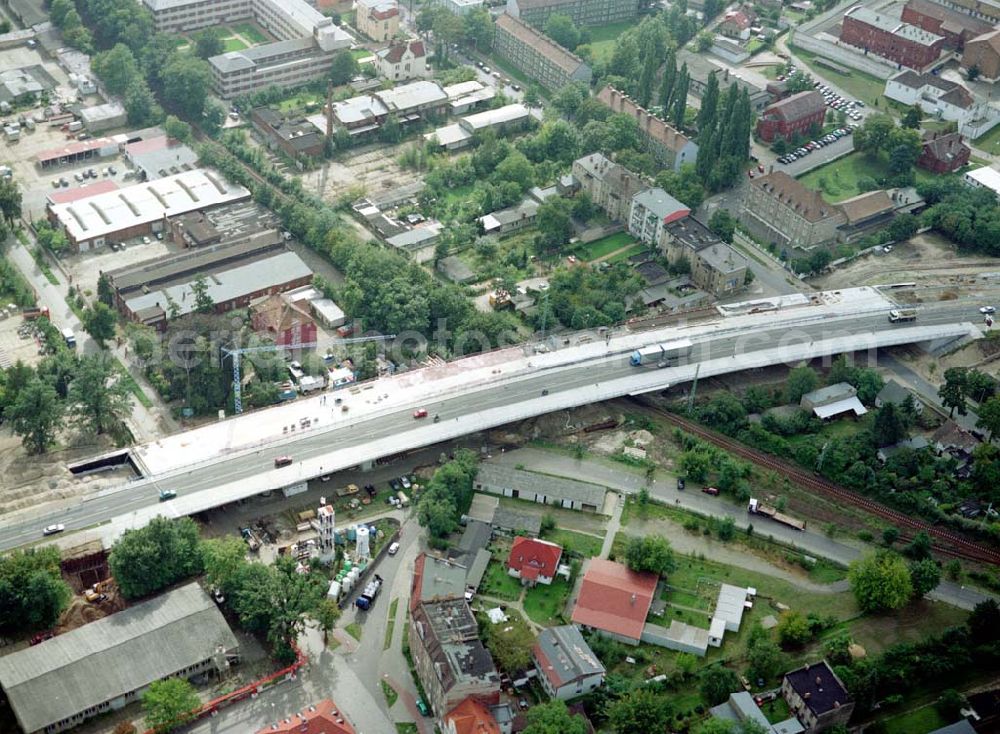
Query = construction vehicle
x=367 y=598
x=902 y=314
x=756 y=507
x=251 y=539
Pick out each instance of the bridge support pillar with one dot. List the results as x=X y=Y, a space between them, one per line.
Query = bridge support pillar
x=367 y=465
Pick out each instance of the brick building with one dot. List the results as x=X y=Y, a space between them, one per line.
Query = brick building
x=983 y=54
x=537 y=55
x=794 y=114
x=956 y=28
x=779 y=209
x=670 y=148
x=889 y=38
x=943 y=153
x=378 y=19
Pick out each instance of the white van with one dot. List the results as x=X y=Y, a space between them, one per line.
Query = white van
x=394 y=549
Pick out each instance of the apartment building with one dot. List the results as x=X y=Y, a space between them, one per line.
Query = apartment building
x=180 y=16
x=670 y=148
x=887 y=36
x=715 y=266
x=988 y=10
x=377 y=19
x=795 y=114
x=983 y=54
x=779 y=209
x=583 y=12
x=284 y=63
x=537 y=55
x=956 y=28
x=650 y=212
x=609 y=185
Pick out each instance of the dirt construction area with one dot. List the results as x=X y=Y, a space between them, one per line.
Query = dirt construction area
x=369 y=171
x=928 y=260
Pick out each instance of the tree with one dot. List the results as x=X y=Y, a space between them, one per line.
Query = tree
x=186 y=82
x=105 y=292
x=984 y=622
x=713 y=725
x=99 y=396
x=511 y=644
x=722 y=223
x=872 y=137
x=640 y=710
x=919 y=548
x=448 y=29
x=203 y=302
x=326 y=615
x=99 y=320
x=989 y=416
x=889 y=536
x=35 y=416
x=889 y=427
x=553 y=718
x=911 y=118
x=343 y=67
x=950 y=704
x=117 y=68
x=479 y=28
x=801 y=380
x=10 y=201
x=793 y=629
x=178 y=129
x=705 y=40
x=880 y=582
x=762 y=654
x=560 y=28
x=208 y=43
x=650 y=553
x=716 y=684
x=222 y=559
x=124 y=727
x=680 y=97
x=140 y=104
x=925 y=575
x=169 y=703
x=554 y=224
x=145 y=560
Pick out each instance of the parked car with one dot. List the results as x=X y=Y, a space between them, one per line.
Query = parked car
x=167 y=494
x=423 y=708
x=280 y=461
x=680 y=483
x=394 y=549
x=710 y=490
x=41 y=637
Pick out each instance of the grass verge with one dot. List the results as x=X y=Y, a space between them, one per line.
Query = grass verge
x=407 y=727
x=389 y=692
x=391 y=625
x=354 y=630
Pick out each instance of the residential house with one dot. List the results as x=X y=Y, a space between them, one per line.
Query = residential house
x=945 y=100
x=508 y=221
x=544 y=489
x=956 y=442
x=285 y=323
x=533 y=561
x=566 y=665
x=537 y=55
x=450 y=658
x=985 y=177
x=470 y=717
x=792 y=115
x=736 y=24
x=402 y=60
x=668 y=147
x=882 y=34
x=817 y=697
x=586 y=13
x=982 y=54
x=609 y=185
x=943 y=152
x=715 y=266
x=377 y=19
x=319 y=718
x=778 y=208
x=614 y=600
x=833 y=400
x=893 y=392
x=956 y=28
x=650 y=212
x=741 y=707
x=917 y=443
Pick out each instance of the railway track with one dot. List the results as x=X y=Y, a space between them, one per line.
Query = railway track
x=944 y=541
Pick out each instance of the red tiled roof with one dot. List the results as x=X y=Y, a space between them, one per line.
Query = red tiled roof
x=614 y=598
x=796 y=107
x=471 y=717
x=320 y=718
x=394 y=54
x=534 y=558
x=82 y=192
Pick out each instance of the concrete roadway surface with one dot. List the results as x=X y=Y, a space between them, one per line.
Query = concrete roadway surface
x=665 y=490
x=572 y=380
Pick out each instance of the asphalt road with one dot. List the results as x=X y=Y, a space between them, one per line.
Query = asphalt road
x=572 y=379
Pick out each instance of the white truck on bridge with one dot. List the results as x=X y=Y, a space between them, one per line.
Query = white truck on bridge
x=661 y=354
x=902 y=314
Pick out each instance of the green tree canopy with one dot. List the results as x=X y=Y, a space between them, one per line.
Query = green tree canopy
x=717 y=683
x=881 y=582
x=801 y=380
x=561 y=29
x=511 y=644
x=186 y=82
x=99 y=320
x=650 y=553
x=343 y=67
x=99 y=395
x=169 y=703
x=553 y=718
x=925 y=575
x=208 y=43
x=145 y=560
x=640 y=710
x=36 y=415
x=793 y=629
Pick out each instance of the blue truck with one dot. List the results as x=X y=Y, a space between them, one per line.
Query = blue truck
x=367 y=597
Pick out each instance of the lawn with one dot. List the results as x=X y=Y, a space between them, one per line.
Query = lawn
x=587 y=546
x=233 y=44
x=544 y=604
x=250 y=32
x=604 y=246
x=776 y=711
x=918 y=721
x=298 y=102
x=602 y=39
x=990 y=142
x=407 y=727
x=626 y=254
x=354 y=630
x=857 y=84
x=498 y=583
x=361 y=53
x=391 y=624
x=389 y=692
x=839 y=180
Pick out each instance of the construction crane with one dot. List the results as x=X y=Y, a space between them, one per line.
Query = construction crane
x=236 y=356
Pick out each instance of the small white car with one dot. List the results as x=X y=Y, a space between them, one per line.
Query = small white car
x=53 y=529
x=394 y=549
x=988 y=309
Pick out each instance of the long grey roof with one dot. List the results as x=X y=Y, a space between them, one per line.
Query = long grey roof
x=501 y=476
x=110 y=657
x=566 y=655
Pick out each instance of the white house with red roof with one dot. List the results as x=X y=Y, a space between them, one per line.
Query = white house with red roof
x=533 y=561
x=614 y=600
x=402 y=60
